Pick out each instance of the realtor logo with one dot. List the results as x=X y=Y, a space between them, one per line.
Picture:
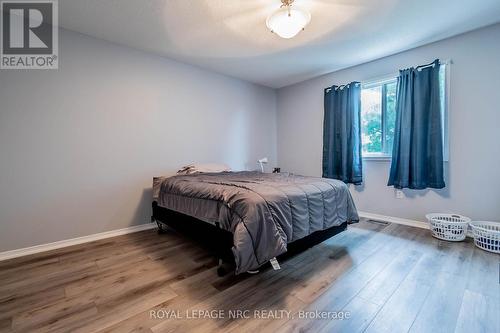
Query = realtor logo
x=29 y=35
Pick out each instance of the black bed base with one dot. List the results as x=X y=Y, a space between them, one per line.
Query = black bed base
x=220 y=241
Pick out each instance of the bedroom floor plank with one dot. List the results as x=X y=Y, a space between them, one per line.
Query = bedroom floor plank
x=338 y=294
x=410 y=296
x=339 y=262
x=388 y=277
x=484 y=276
x=478 y=313
x=143 y=321
x=361 y=313
x=18 y=304
x=440 y=310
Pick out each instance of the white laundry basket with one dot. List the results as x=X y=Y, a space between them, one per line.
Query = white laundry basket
x=486 y=235
x=450 y=227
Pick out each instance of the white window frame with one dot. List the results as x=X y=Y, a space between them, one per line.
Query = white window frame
x=393 y=77
x=374 y=83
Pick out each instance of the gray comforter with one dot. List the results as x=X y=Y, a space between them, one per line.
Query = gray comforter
x=263 y=211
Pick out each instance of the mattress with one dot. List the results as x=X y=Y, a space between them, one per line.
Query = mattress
x=264 y=212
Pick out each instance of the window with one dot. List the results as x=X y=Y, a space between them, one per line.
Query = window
x=378 y=116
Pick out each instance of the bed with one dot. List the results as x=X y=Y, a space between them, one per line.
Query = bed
x=249 y=217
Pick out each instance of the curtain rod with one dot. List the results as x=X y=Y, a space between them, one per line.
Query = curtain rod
x=428 y=65
x=446 y=62
x=388 y=77
x=342 y=86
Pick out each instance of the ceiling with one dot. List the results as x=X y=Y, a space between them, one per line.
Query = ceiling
x=230 y=36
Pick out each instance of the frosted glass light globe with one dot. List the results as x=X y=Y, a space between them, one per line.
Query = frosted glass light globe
x=288 y=22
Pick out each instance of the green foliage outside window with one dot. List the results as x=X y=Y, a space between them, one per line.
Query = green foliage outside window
x=378 y=117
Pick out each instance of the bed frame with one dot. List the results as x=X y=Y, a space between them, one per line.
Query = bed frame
x=220 y=241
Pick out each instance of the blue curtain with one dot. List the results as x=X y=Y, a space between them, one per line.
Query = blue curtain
x=342 y=133
x=417 y=156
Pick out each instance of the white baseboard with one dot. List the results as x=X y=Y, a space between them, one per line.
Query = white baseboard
x=392 y=219
x=107 y=234
x=74 y=241
x=399 y=220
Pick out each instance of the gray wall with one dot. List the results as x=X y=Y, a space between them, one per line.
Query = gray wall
x=473 y=179
x=79 y=145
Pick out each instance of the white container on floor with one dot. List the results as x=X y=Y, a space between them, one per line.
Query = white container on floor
x=486 y=235
x=450 y=227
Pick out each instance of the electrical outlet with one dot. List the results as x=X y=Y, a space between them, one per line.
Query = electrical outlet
x=399 y=194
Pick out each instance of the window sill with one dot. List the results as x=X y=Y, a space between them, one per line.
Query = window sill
x=387 y=158
x=377 y=157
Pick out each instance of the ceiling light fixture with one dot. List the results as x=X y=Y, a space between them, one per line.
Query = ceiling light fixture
x=287 y=22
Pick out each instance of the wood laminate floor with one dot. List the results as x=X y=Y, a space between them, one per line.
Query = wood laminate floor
x=385 y=278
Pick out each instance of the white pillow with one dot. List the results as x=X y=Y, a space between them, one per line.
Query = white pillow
x=203 y=168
